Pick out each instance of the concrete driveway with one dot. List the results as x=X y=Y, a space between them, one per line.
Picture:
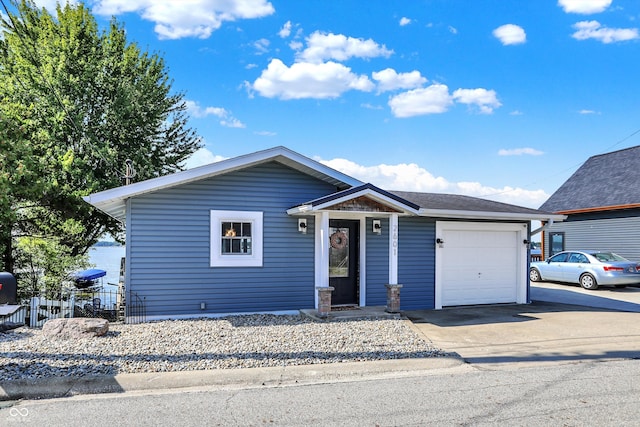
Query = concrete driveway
x=553 y=329
x=626 y=299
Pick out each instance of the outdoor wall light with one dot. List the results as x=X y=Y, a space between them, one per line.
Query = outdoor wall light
x=377 y=227
x=302 y=225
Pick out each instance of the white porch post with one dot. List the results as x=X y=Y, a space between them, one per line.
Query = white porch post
x=393 y=249
x=322 y=252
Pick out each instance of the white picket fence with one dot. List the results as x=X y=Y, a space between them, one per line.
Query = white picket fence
x=42 y=309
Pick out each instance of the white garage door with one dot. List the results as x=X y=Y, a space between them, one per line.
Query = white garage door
x=479 y=263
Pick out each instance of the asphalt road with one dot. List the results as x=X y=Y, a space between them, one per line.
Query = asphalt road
x=590 y=393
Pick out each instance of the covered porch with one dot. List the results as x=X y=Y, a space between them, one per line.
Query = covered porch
x=345 y=222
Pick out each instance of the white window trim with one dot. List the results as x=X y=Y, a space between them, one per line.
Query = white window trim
x=218 y=259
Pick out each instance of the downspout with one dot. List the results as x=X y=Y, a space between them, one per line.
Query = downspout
x=544 y=227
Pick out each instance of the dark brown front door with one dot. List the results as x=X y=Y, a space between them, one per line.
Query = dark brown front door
x=343 y=261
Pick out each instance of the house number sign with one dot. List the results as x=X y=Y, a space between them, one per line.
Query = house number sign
x=394 y=240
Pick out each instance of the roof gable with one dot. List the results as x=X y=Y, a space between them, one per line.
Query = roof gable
x=363 y=203
x=363 y=198
x=113 y=201
x=604 y=182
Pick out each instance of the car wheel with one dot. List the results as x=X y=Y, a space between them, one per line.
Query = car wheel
x=534 y=275
x=587 y=281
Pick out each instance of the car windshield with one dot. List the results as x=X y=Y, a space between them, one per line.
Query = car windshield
x=608 y=257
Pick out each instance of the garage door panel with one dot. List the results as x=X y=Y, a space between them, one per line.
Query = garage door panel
x=479 y=266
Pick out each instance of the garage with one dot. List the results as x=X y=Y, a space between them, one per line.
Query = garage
x=480 y=263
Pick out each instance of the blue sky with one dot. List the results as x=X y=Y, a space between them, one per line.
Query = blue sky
x=490 y=98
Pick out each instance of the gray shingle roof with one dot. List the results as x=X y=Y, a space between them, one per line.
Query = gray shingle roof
x=457 y=202
x=611 y=179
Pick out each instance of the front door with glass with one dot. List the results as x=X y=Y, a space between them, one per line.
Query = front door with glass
x=343 y=261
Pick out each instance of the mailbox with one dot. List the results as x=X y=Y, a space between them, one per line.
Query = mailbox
x=8 y=288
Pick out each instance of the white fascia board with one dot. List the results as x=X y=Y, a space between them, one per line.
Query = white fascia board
x=300 y=210
x=374 y=195
x=489 y=215
x=316 y=166
x=111 y=201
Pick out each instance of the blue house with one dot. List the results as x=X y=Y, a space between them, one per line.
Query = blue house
x=259 y=233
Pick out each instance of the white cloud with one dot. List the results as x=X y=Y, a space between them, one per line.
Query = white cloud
x=371 y=106
x=584 y=7
x=265 y=133
x=520 y=151
x=485 y=100
x=262 y=46
x=411 y=177
x=285 y=31
x=516 y=113
x=404 y=21
x=321 y=47
x=434 y=99
x=202 y=157
x=594 y=30
x=176 y=20
x=50 y=5
x=388 y=79
x=452 y=30
x=309 y=80
x=296 y=45
x=509 y=34
x=226 y=118
x=587 y=112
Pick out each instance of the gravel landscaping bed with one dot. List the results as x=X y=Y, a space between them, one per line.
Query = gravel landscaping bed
x=225 y=343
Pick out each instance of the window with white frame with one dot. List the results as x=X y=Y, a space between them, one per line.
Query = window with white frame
x=236 y=239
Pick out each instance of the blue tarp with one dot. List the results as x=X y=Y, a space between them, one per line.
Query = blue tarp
x=90 y=274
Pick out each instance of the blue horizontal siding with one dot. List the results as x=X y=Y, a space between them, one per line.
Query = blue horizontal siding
x=416 y=263
x=169 y=244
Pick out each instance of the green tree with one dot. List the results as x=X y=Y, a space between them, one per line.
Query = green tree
x=18 y=184
x=76 y=102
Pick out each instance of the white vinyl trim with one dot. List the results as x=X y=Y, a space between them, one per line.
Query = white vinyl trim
x=112 y=201
x=381 y=198
x=521 y=231
x=393 y=249
x=322 y=253
x=362 y=262
x=236 y=260
x=453 y=214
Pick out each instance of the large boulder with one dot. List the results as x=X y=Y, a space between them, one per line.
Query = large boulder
x=78 y=327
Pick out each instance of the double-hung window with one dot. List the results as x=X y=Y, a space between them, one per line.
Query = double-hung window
x=236 y=239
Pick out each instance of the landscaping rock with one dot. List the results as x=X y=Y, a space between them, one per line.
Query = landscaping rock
x=75 y=328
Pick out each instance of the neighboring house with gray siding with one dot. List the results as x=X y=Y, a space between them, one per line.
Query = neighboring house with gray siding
x=260 y=232
x=602 y=203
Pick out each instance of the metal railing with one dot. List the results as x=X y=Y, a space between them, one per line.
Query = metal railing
x=136 y=309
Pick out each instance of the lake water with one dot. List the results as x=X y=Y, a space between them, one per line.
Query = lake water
x=107 y=258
